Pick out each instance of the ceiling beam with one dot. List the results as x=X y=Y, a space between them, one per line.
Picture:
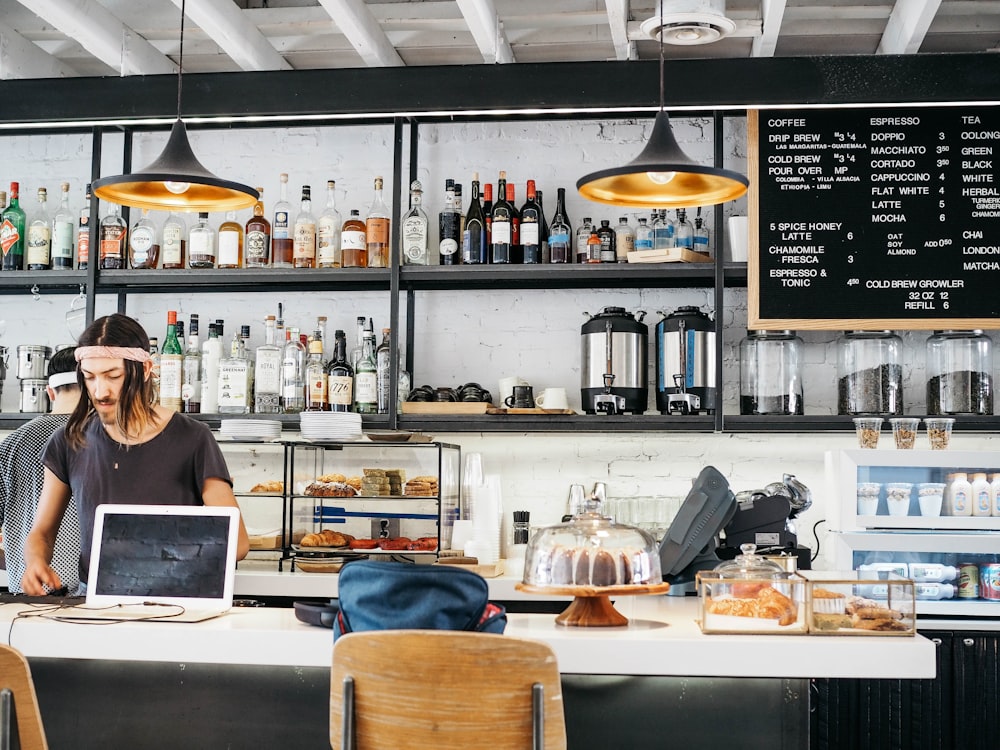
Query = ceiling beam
x=225 y=23
x=22 y=58
x=907 y=26
x=358 y=24
x=487 y=29
x=103 y=35
x=618 y=11
x=772 y=12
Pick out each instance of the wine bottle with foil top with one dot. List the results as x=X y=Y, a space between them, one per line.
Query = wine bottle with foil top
x=560 y=232
x=474 y=247
x=530 y=233
x=502 y=225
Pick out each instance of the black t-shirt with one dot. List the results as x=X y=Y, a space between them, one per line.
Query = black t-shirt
x=170 y=469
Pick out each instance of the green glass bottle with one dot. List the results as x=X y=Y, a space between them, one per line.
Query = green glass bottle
x=12 y=232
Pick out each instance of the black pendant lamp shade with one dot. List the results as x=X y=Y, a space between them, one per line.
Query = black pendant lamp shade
x=662 y=176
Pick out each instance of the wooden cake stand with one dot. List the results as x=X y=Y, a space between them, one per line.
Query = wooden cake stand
x=591 y=606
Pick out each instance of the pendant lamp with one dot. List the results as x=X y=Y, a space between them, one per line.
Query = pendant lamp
x=662 y=175
x=176 y=180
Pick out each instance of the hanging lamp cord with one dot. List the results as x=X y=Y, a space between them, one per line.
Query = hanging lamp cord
x=180 y=64
x=661 y=57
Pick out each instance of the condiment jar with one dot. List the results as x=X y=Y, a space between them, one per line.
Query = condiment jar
x=748 y=564
x=959 y=373
x=771 y=373
x=869 y=373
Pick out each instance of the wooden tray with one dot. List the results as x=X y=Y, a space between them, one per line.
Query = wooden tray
x=445 y=407
x=493 y=570
x=591 y=606
x=536 y=410
x=313 y=566
x=669 y=255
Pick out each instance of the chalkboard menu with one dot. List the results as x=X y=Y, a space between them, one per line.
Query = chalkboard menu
x=875 y=218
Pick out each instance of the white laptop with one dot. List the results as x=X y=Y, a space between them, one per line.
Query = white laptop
x=164 y=563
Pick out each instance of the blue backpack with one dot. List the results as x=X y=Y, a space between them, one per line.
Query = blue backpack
x=393 y=595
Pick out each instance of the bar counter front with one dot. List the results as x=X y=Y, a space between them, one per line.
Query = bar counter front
x=258 y=678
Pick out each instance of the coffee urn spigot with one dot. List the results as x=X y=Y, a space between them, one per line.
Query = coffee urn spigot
x=607 y=402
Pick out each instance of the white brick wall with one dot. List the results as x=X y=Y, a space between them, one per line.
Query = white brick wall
x=465 y=335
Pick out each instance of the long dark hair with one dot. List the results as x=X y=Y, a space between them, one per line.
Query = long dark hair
x=136 y=401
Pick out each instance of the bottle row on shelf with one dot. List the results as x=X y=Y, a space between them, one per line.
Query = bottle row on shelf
x=488 y=232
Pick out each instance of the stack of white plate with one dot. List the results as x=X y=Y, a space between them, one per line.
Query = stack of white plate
x=330 y=426
x=250 y=429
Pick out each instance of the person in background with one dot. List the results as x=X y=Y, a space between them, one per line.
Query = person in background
x=120 y=446
x=21 y=478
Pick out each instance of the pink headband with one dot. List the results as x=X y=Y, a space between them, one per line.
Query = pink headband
x=112 y=352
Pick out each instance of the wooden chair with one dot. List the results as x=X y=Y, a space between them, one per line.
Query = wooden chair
x=444 y=689
x=16 y=676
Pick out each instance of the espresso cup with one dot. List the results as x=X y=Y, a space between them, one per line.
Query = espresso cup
x=506 y=388
x=552 y=398
x=522 y=397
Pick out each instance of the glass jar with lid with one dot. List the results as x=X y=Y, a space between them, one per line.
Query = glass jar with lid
x=959 y=373
x=771 y=373
x=869 y=373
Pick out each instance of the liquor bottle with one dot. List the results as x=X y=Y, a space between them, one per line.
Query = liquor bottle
x=267 y=372
x=340 y=376
x=358 y=349
x=354 y=252
x=143 y=249
x=154 y=373
x=281 y=230
x=114 y=240
x=560 y=244
x=594 y=247
x=413 y=233
x=192 y=374
x=83 y=234
x=366 y=379
x=211 y=355
x=701 y=235
x=624 y=239
x=501 y=245
x=320 y=335
x=383 y=372
x=38 y=253
x=516 y=255
x=234 y=379
x=201 y=243
x=377 y=230
x=543 y=232
x=531 y=227
x=174 y=244
x=449 y=237
x=328 y=253
x=63 y=229
x=293 y=365
x=171 y=366
x=488 y=214
x=474 y=247
x=606 y=234
x=317 y=398
x=230 y=242
x=304 y=235
x=257 y=247
x=643 y=235
x=582 y=238
x=12 y=232
x=684 y=232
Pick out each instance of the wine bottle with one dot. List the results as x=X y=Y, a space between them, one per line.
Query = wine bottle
x=474 y=248
x=560 y=244
x=449 y=238
x=531 y=226
x=502 y=225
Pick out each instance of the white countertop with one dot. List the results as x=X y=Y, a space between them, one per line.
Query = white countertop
x=661 y=638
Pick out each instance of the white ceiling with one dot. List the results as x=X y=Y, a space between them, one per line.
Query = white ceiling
x=48 y=38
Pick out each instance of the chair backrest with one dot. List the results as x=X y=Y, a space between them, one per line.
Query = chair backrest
x=444 y=690
x=15 y=675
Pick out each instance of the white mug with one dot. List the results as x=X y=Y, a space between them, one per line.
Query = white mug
x=552 y=398
x=507 y=387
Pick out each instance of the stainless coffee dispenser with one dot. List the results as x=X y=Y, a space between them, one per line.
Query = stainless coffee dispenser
x=614 y=362
x=685 y=362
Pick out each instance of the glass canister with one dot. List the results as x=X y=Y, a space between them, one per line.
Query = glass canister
x=869 y=373
x=959 y=373
x=771 y=373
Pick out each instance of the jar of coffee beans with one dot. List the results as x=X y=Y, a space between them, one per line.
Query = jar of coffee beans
x=870 y=373
x=959 y=373
x=771 y=373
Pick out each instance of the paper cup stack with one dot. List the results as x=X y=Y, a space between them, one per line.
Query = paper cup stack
x=487 y=512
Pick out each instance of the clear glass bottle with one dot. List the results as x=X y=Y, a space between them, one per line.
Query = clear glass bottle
x=353 y=239
x=869 y=373
x=38 y=252
x=192 y=380
x=340 y=376
x=171 y=366
x=560 y=232
x=644 y=235
x=267 y=372
x=663 y=231
x=316 y=386
x=683 y=231
x=293 y=373
x=328 y=250
x=582 y=239
x=359 y=349
x=230 y=242
x=234 y=379
x=383 y=372
x=959 y=373
x=201 y=243
x=624 y=240
x=449 y=239
x=83 y=233
x=174 y=243
x=143 y=244
x=154 y=373
x=63 y=228
x=257 y=237
x=413 y=233
x=281 y=227
x=377 y=230
x=304 y=237
x=701 y=235
x=366 y=379
x=211 y=356
x=114 y=239
x=543 y=236
x=12 y=232
x=771 y=373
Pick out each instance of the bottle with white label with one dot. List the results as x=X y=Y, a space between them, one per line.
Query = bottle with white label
x=995 y=494
x=933 y=572
x=934 y=590
x=982 y=504
x=960 y=496
x=211 y=356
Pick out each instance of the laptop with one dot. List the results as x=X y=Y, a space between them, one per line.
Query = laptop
x=164 y=563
